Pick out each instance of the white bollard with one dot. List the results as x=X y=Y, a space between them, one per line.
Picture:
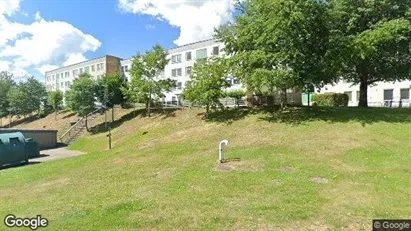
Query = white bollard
x=220 y=150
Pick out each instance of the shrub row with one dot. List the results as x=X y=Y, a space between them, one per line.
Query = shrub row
x=331 y=100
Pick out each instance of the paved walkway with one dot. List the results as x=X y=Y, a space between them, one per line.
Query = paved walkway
x=55 y=154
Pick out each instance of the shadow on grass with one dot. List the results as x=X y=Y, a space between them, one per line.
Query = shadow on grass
x=69 y=115
x=301 y=115
x=21 y=121
x=229 y=115
x=165 y=113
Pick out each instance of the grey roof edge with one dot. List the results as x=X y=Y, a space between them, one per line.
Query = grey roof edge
x=84 y=62
x=27 y=130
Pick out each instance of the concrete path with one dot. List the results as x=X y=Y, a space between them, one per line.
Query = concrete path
x=55 y=154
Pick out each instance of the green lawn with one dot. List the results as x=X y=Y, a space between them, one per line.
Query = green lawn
x=162 y=173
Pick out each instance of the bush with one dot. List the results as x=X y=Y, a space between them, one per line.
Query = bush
x=331 y=100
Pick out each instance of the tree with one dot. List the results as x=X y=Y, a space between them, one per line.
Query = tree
x=237 y=95
x=26 y=97
x=108 y=91
x=81 y=97
x=55 y=99
x=145 y=68
x=208 y=83
x=277 y=45
x=35 y=94
x=373 y=39
x=6 y=83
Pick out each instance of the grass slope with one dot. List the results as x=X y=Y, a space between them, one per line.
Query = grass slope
x=162 y=173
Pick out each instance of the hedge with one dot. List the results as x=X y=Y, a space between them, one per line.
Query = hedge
x=331 y=100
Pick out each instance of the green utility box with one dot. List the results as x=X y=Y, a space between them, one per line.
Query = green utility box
x=12 y=149
x=32 y=148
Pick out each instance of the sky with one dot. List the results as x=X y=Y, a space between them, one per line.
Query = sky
x=41 y=35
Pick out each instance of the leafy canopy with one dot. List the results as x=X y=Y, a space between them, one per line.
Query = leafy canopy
x=81 y=97
x=208 y=83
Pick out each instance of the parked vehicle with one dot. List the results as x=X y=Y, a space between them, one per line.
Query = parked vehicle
x=15 y=149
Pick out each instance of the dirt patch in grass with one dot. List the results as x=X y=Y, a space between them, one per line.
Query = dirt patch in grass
x=319 y=180
x=242 y=165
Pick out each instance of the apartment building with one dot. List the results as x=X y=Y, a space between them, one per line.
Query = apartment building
x=381 y=94
x=180 y=67
x=62 y=78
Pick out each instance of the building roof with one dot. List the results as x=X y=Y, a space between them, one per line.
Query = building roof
x=85 y=61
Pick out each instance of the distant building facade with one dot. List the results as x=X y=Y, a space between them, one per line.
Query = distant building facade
x=62 y=78
x=180 y=67
x=381 y=94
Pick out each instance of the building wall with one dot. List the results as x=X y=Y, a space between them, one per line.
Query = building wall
x=62 y=78
x=375 y=92
x=46 y=139
x=178 y=70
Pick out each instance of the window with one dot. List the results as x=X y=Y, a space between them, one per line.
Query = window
x=349 y=93
x=62 y=84
x=81 y=71
x=74 y=73
x=405 y=93
x=53 y=77
x=93 y=68
x=236 y=81
x=179 y=85
x=201 y=54
x=388 y=94
x=216 y=50
x=87 y=69
x=176 y=72
x=125 y=69
x=188 y=70
x=67 y=74
x=176 y=59
x=14 y=141
x=67 y=83
x=174 y=99
x=62 y=75
x=188 y=56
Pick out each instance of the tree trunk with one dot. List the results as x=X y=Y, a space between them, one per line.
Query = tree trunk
x=149 y=105
x=283 y=97
x=363 y=102
x=86 y=124
x=112 y=113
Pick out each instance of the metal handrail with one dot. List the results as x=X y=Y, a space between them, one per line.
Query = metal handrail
x=79 y=121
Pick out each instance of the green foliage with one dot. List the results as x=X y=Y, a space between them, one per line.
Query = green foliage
x=145 y=68
x=372 y=39
x=236 y=94
x=208 y=83
x=331 y=100
x=279 y=44
x=26 y=97
x=108 y=90
x=81 y=97
x=55 y=99
x=6 y=83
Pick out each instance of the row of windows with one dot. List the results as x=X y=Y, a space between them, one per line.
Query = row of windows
x=177 y=72
x=200 y=54
x=388 y=94
x=62 y=85
x=76 y=72
x=179 y=85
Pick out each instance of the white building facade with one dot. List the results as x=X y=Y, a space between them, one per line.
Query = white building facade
x=381 y=94
x=62 y=78
x=180 y=67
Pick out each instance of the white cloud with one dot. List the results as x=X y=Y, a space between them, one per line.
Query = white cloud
x=9 y=7
x=37 y=17
x=74 y=58
x=150 y=27
x=42 y=44
x=47 y=67
x=195 y=18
